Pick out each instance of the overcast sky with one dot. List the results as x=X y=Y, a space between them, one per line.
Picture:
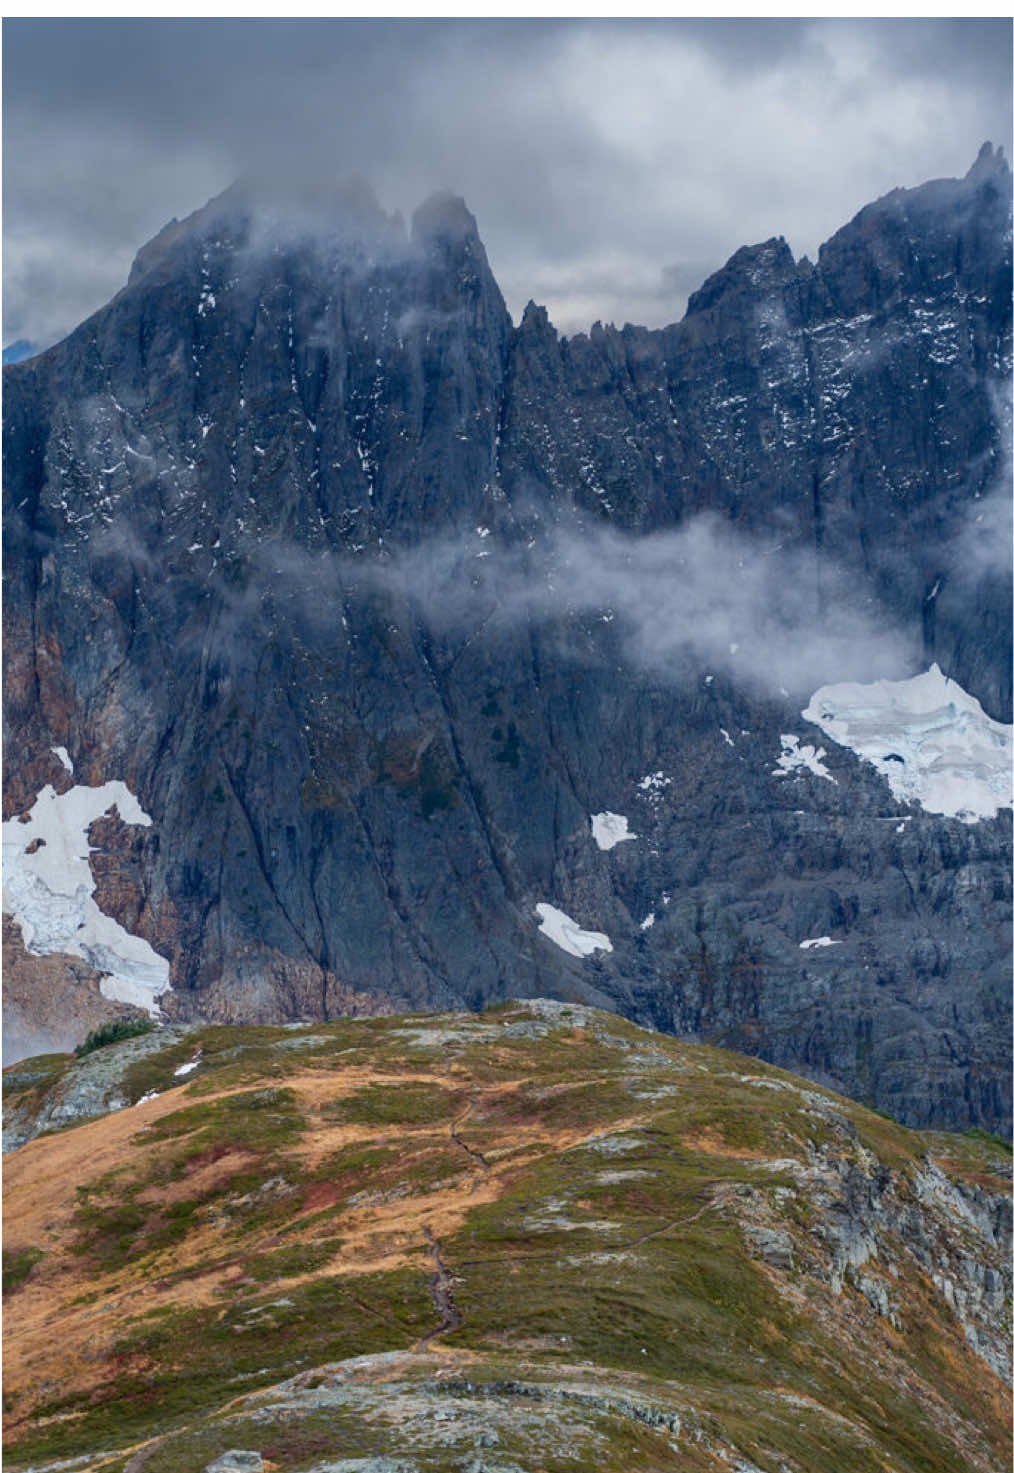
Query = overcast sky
x=611 y=165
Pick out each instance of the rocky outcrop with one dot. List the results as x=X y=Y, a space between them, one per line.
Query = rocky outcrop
x=56 y=1093
x=374 y=600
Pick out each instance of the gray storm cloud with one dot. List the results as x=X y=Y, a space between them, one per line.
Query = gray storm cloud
x=611 y=165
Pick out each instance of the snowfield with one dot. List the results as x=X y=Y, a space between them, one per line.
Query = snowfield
x=48 y=888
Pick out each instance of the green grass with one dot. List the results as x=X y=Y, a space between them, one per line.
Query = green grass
x=404 y=1104
x=229 y=1055
x=289 y=1263
x=115 y=1221
x=255 y=1120
x=997 y=1142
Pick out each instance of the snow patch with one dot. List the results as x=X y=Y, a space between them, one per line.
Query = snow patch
x=63 y=755
x=185 y=1068
x=652 y=789
x=648 y=921
x=795 y=758
x=817 y=941
x=568 y=935
x=610 y=829
x=654 y=782
x=49 y=891
x=929 y=738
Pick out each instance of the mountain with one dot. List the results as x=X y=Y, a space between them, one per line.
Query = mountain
x=18 y=351
x=392 y=656
x=536 y=1239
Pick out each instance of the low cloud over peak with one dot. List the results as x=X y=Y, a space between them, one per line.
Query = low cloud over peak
x=611 y=165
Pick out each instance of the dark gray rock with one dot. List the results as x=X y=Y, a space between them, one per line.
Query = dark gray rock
x=291 y=530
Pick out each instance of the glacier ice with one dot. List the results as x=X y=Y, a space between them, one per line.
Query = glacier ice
x=932 y=741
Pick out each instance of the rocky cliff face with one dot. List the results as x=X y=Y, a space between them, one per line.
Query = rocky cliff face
x=390 y=614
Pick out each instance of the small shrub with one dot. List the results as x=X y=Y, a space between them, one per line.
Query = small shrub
x=17 y=1266
x=112 y=1033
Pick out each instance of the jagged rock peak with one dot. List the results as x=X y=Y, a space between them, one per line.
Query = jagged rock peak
x=444 y=232
x=345 y=198
x=160 y=247
x=770 y=263
x=536 y=319
x=269 y=204
x=444 y=216
x=990 y=160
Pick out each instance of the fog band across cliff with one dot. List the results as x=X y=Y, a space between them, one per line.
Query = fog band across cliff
x=771 y=617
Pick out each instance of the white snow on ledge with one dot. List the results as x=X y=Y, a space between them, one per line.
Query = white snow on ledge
x=610 y=829
x=63 y=756
x=930 y=739
x=568 y=935
x=818 y=941
x=49 y=891
x=795 y=758
x=653 y=785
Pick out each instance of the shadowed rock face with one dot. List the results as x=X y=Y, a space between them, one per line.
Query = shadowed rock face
x=374 y=599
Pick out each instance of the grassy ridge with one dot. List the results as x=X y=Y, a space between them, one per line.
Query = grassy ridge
x=535 y=1198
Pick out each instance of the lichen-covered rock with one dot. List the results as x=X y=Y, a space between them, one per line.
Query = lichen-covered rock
x=60 y=1091
x=236 y=1460
x=773 y=1246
